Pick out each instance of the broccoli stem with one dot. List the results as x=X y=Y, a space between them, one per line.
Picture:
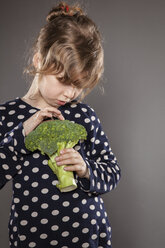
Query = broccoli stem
x=66 y=178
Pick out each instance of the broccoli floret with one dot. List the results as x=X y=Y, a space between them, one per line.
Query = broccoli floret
x=50 y=137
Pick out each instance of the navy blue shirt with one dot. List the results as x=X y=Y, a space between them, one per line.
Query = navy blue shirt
x=41 y=215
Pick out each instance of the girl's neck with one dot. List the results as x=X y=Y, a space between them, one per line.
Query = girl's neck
x=33 y=96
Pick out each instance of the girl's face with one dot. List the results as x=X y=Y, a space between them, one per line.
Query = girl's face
x=55 y=93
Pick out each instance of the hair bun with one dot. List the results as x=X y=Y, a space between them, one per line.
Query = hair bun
x=64 y=9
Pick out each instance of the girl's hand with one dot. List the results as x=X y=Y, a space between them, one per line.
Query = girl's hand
x=31 y=123
x=69 y=156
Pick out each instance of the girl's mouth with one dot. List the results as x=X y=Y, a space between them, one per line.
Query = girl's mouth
x=61 y=102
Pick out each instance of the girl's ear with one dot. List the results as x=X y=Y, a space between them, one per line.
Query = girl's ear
x=36 y=60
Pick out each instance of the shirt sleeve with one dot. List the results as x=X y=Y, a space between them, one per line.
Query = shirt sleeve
x=104 y=171
x=12 y=150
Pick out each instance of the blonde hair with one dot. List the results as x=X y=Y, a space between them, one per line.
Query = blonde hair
x=70 y=45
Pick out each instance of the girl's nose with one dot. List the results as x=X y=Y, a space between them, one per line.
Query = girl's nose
x=69 y=92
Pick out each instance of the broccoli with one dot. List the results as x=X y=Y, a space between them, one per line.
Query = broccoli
x=50 y=137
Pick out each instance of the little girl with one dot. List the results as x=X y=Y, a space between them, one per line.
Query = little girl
x=67 y=64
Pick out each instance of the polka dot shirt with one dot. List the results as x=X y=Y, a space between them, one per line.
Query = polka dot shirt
x=41 y=216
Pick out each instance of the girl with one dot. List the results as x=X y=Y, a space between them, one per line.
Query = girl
x=67 y=64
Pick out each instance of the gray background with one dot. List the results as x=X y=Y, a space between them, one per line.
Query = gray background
x=131 y=109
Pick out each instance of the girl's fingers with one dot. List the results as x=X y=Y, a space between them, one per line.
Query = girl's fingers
x=67 y=154
x=55 y=112
x=68 y=160
x=49 y=112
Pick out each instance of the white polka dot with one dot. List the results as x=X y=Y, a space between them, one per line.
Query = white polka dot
x=67 y=112
x=75 y=195
x=5 y=140
x=32 y=111
x=18 y=185
x=76 y=210
x=44 y=191
x=55 y=212
x=84 y=201
x=55 y=182
x=94 y=151
x=23 y=222
x=65 y=218
x=18 y=167
x=73 y=105
x=75 y=240
x=75 y=224
x=117 y=168
x=92 y=207
x=44 y=221
x=22 y=106
x=45 y=176
x=65 y=234
x=12 y=103
x=85 y=230
x=26 y=178
x=77 y=115
x=43 y=236
x=87 y=120
x=26 y=192
x=103 y=235
x=25 y=207
x=5 y=166
x=34 y=214
x=33 y=229
x=35 y=170
x=9 y=124
x=54 y=242
x=14 y=228
x=35 y=199
x=45 y=162
x=35 y=184
x=36 y=155
x=11 y=148
x=93 y=221
x=16 y=200
x=85 y=216
x=66 y=204
x=93 y=118
x=14 y=158
x=111 y=187
x=103 y=221
x=94 y=236
x=2 y=108
x=109 y=170
x=2 y=155
x=55 y=228
x=98 y=213
x=108 y=242
x=44 y=205
x=85 y=245
x=20 y=117
x=55 y=197
x=77 y=148
x=84 y=109
x=92 y=127
x=102 y=152
x=22 y=237
x=98 y=185
x=26 y=163
x=11 y=112
x=97 y=142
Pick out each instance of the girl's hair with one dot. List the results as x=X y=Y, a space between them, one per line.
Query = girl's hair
x=70 y=45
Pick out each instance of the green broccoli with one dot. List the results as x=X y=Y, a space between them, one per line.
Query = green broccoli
x=50 y=137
